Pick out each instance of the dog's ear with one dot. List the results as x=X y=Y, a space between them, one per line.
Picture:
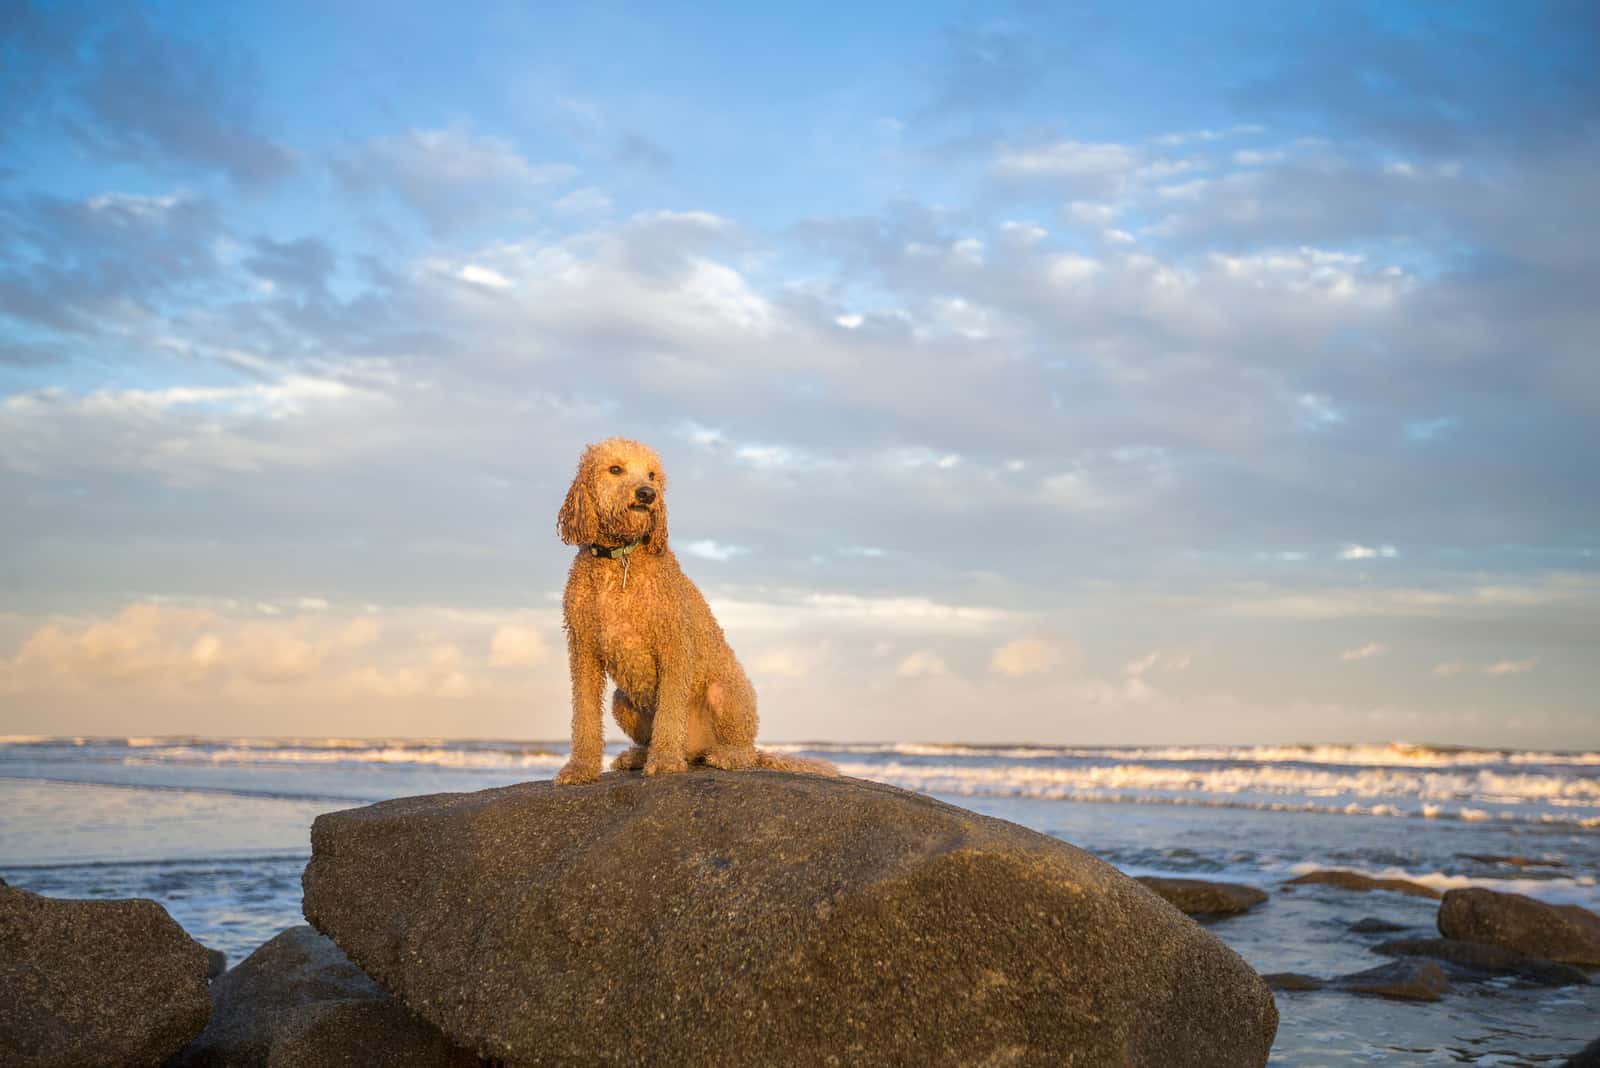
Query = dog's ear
x=658 y=534
x=578 y=522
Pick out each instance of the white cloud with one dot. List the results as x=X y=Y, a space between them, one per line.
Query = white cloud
x=1509 y=667
x=484 y=276
x=517 y=646
x=1065 y=159
x=921 y=664
x=1364 y=652
x=792 y=661
x=1367 y=552
x=1318 y=410
x=586 y=201
x=712 y=550
x=1025 y=656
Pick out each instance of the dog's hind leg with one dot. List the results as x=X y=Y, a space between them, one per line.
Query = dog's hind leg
x=636 y=725
x=733 y=719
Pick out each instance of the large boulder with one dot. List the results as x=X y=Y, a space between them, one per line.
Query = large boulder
x=298 y=1000
x=1197 y=897
x=89 y=983
x=723 y=918
x=1565 y=933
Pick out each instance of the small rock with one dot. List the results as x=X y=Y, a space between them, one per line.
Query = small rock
x=1404 y=980
x=1351 y=880
x=1197 y=897
x=724 y=919
x=1512 y=861
x=1491 y=960
x=297 y=1000
x=217 y=962
x=1292 y=981
x=1564 y=933
x=1373 y=925
x=92 y=983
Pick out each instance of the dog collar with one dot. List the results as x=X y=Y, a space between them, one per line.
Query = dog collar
x=613 y=552
x=624 y=551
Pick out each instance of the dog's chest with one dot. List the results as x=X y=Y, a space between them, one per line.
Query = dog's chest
x=627 y=648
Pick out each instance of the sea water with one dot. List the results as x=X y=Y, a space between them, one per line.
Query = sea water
x=216 y=829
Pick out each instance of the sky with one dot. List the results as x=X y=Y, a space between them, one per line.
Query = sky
x=1084 y=374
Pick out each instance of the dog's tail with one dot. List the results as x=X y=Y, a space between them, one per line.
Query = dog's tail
x=771 y=761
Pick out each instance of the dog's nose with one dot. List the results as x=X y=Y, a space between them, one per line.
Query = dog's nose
x=645 y=494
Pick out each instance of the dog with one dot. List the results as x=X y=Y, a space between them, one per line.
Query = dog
x=631 y=613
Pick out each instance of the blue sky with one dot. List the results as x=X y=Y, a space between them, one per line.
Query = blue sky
x=1096 y=374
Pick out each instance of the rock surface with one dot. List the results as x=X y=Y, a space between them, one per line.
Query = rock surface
x=88 y=983
x=1295 y=981
x=718 y=918
x=1351 y=880
x=1490 y=960
x=1565 y=933
x=1404 y=980
x=297 y=1000
x=1197 y=897
x=1373 y=925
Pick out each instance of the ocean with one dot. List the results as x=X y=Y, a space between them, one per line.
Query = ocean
x=217 y=831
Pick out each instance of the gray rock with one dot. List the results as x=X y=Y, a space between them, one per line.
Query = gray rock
x=216 y=962
x=1565 y=933
x=1373 y=925
x=297 y=1000
x=1351 y=880
x=90 y=983
x=717 y=918
x=1490 y=960
x=1292 y=981
x=1404 y=980
x=1197 y=897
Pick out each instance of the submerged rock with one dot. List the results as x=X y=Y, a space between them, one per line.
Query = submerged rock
x=89 y=983
x=1197 y=897
x=1404 y=980
x=1373 y=925
x=1351 y=880
x=1491 y=960
x=1293 y=981
x=1565 y=933
x=297 y=1000
x=717 y=918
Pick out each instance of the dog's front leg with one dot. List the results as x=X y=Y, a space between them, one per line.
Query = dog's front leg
x=669 y=736
x=588 y=730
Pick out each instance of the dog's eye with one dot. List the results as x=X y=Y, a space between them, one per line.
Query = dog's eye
x=615 y=470
x=652 y=476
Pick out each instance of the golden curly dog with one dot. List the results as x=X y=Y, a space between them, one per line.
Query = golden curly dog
x=631 y=613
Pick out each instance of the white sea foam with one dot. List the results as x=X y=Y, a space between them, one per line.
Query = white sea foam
x=442 y=757
x=1392 y=754
x=1482 y=786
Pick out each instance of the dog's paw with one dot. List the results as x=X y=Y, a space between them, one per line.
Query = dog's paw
x=630 y=759
x=574 y=772
x=665 y=765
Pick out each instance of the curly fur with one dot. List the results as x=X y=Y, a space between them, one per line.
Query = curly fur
x=680 y=692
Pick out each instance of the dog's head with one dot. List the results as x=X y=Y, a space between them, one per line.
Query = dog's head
x=619 y=495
